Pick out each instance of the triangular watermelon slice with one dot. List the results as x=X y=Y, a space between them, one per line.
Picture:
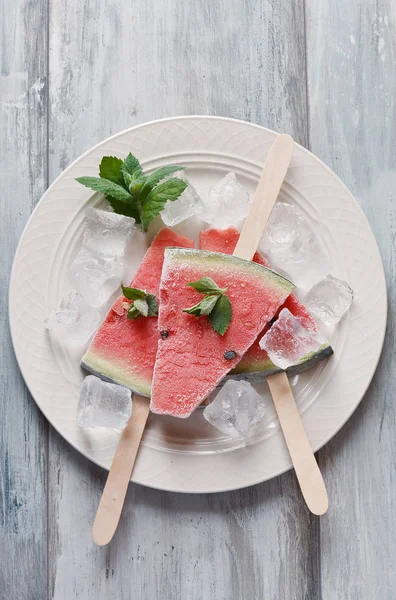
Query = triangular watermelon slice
x=192 y=358
x=124 y=350
x=255 y=365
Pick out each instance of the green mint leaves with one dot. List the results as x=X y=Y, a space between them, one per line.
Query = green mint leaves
x=132 y=193
x=143 y=304
x=216 y=304
x=206 y=285
x=158 y=197
x=220 y=316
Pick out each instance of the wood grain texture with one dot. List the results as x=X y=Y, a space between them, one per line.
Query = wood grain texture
x=113 y=65
x=23 y=430
x=351 y=49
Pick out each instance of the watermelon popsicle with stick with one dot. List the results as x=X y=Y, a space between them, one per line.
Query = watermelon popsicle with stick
x=212 y=308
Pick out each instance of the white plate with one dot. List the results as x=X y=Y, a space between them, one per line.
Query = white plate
x=190 y=456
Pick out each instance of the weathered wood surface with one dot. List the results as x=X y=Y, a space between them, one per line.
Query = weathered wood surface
x=351 y=50
x=23 y=179
x=110 y=65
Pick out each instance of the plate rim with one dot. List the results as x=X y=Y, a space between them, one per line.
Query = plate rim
x=381 y=330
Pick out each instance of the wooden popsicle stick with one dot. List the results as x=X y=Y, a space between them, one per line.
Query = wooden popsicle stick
x=304 y=462
x=113 y=496
x=274 y=171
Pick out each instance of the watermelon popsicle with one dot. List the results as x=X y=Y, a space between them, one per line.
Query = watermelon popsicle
x=193 y=358
x=123 y=350
x=256 y=365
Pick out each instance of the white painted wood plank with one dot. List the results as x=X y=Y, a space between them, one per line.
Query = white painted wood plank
x=23 y=430
x=351 y=49
x=113 y=65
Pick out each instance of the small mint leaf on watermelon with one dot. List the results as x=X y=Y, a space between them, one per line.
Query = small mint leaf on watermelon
x=152 y=305
x=206 y=285
x=204 y=307
x=220 y=316
x=131 y=293
x=110 y=169
x=133 y=312
x=158 y=197
x=141 y=306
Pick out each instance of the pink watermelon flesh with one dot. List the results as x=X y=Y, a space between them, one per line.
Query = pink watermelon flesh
x=124 y=350
x=191 y=360
x=255 y=364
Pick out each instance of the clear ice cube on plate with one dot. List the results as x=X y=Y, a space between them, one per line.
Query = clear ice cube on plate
x=329 y=300
x=106 y=232
x=185 y=206
x=103 y=404
x=96 y=277
x=236 y=409
x=73 y=320
x=227 y=203
x=293 y=247
x=288 y=343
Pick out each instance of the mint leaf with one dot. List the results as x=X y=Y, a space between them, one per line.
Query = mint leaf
x=141 y=306
x=133 y=312
x=110 y=169
x=152 y=305
x=131 y=165
x=106 y=187
x=206 y=285
x=122 y=208
x=133 y=293
x=155 y=177
x=220 y=316
x=204 y=307
x=136 y=185
x=158 y=197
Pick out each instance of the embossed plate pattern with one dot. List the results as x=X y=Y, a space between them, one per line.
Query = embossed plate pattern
x=190 y=456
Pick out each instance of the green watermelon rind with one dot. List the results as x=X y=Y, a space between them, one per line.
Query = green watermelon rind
x=232 y=261
x=268 y=368
x=108 y=371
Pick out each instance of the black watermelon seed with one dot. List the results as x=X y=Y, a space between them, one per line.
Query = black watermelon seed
x=164 y=334
x=230 y=355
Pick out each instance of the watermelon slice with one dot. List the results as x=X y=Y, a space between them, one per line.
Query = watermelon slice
x=255 y=365
x=124 y=350
x=192 y=358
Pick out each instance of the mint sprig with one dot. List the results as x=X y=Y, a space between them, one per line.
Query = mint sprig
x=142 y=305
x=216 y=304
x=132 y=193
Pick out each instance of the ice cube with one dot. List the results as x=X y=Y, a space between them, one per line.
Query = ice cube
x=236 y=409
x=73 y=320
x=227 y=203
x=329 y=300
x=96 y=277
x=103 y=404
x=106 y=232
x=292 y=246
x=288 y=343
x=187 y=204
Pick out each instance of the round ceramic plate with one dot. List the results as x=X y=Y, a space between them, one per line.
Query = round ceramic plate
x=190 y=455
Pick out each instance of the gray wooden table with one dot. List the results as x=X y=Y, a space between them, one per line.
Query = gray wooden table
x=74 y=72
